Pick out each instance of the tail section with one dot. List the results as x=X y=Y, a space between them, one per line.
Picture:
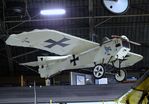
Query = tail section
x=48 y=65
x=139 y=94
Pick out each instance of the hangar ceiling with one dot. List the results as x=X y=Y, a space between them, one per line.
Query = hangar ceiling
x=84 y=18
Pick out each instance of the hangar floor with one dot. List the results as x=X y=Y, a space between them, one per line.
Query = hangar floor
x=91 y=93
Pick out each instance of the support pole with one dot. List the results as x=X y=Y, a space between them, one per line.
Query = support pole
x=50 y=100
x=8 y=50
x=35 y=95
x=22 y=81
x=91 y=20
x=47 y=82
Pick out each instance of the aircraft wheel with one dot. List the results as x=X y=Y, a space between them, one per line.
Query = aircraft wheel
x=120 y=75
x=98 y=71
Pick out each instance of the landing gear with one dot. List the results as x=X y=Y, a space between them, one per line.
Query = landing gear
x=120 y=75
x=98 y=71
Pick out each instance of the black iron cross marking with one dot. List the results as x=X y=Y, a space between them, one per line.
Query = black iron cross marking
x=54 y=43
x=74 y=60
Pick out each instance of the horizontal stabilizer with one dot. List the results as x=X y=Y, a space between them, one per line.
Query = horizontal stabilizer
x=46 y=60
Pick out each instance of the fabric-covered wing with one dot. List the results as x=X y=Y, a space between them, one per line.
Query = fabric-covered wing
x=50 y=40
x=130 y=59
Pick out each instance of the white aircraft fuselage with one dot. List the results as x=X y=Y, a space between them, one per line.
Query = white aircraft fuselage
x=75 y=52
x=110 y=51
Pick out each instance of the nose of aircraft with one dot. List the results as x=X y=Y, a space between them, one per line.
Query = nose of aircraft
x=124 y=37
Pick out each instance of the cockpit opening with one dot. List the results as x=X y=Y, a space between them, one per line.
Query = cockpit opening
x=126 y=44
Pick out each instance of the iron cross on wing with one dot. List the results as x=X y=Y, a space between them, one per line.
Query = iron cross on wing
x=54 y=43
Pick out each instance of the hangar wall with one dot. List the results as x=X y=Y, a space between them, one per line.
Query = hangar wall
x=134 y=24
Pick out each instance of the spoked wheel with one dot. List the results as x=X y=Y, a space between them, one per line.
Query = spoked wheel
x=120 y=75
x=98 y=71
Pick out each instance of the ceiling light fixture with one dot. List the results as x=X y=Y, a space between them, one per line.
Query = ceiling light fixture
x=53 y=12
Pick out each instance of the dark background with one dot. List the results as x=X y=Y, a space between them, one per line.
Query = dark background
x=17 y=16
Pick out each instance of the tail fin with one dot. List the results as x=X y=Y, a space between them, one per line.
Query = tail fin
x=47 y=64
x=139 y=94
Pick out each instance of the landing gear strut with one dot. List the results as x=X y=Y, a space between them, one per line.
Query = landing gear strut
x=120 y=74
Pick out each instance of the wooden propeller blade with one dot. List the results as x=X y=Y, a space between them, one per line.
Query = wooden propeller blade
x=132 y=42
x=135 y=43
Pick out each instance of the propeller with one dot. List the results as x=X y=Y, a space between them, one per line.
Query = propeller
x=123 y=37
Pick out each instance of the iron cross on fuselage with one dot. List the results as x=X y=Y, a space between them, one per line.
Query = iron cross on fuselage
x=74 y=60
